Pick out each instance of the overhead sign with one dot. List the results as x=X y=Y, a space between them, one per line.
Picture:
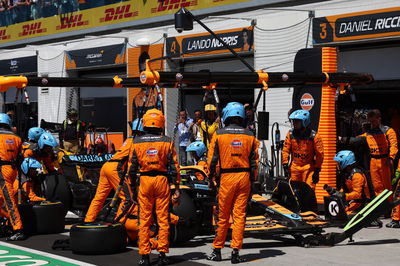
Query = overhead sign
x=99 y=56
x=240 y=39
x=21 y=65
x=125 y=11
x=357 y=26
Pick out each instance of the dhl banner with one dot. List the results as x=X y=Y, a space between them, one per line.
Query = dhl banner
x=136 y=63
x=357 y=26
x=103 y=16
x=240 y=39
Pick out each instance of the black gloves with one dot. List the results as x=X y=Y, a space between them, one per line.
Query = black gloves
x=315 y=176
x=340 y=195
x=286 y=171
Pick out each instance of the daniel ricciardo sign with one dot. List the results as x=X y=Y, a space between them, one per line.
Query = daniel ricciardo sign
x=355 y=26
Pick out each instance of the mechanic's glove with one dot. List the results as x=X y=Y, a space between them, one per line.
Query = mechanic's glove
x=315 y=176
x=286 y=171
x=340 y=195
x=396 y=178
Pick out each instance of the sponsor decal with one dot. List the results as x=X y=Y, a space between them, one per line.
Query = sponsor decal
x=32 y=29
x=333 y=208
x=236 y=144
x=306 y=101
x=10 y=141
x=117 y=13
x=152 y=152
x=173 y=5
x=4 y=35
x=72 y=21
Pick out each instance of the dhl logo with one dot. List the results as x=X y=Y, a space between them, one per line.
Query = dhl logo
x=72 y=21
x=31 y=29
x=173 y=4
x=118 y=13
x=4 y=35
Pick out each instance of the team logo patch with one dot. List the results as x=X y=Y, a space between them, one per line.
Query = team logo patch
x=306 y=101
x=236 y=144
x=9 y=141
x=152 y=152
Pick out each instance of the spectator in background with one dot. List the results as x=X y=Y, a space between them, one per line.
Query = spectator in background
x=182 y=126
x=48 y=8
x=195 y=127
x=249 y=122
x=36 y=9
x=210 y=124
x=23 y=11
x=3 y=13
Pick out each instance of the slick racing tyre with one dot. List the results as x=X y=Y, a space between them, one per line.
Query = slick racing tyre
x=42 y=218
x=56 y=188
x=188 y=225
x=297 y=196
x=98 y=238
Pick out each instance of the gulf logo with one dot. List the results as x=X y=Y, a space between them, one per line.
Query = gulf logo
x=306 y=101
x=152 y=152
x=236 y=144
x=9 y=141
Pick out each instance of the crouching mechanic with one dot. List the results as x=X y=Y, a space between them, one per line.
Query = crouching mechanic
x=198 y=151
x=236 y=151
x=154 y=159
x=34 y=134
x=31 y=169
x=110 y=175
x=305 y=148
x=355 y=192
x=10 y=148
x=44 y=153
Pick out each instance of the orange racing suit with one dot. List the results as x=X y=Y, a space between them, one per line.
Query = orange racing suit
x=28 y=187
x=154 y=158
x=110 y=176
x=31 y=149
x=357 y=191
x=306 y=152
x=203 y=163
x=236 y=151
x=10 y=147
x=382 y=143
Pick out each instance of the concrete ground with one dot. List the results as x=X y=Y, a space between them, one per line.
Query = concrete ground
x=372 y=246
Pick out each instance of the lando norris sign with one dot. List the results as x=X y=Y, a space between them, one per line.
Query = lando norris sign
x=240 y=39
x=356 y=26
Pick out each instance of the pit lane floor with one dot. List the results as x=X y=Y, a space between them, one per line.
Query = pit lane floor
x=372 y=246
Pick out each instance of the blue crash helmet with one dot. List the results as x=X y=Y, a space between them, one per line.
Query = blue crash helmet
x=34 y=133
x=198 y=147
x=28 y=163
x=5 y=119
x=345 y=158
x=137 y=127
x=47 y=139
x=302 y=115
x=233 y=109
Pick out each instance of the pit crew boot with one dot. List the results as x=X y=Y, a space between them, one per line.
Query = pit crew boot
x=235 y=259
x=144 y=261
x=377 y=222
x=393 y=224
x=215 y=255
x=17 y=236
x=162 y=259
